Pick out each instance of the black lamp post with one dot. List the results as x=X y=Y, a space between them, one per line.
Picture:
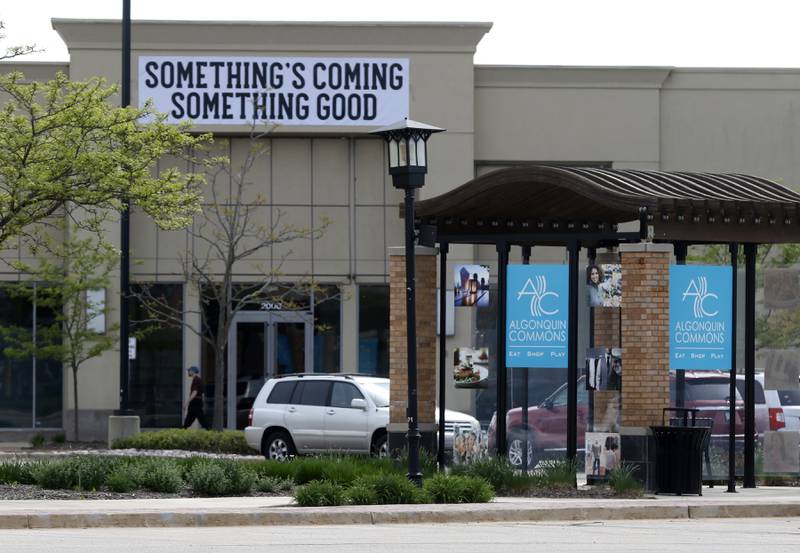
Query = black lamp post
x=408 y=162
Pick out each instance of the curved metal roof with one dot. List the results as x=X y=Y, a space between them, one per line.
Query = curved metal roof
x=584 y=194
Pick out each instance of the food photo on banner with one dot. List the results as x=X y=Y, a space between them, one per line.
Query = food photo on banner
x=700 y=317
x=604 y=285
x=603 y=368
x=471 y=367
x=603 y=454
x=471 y=285
x=537 y=299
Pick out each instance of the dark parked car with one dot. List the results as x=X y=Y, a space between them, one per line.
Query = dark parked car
x=547 y=422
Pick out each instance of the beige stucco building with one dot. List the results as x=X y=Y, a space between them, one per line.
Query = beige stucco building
x=721 y=120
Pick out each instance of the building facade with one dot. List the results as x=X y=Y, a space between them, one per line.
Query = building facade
x=331 y=169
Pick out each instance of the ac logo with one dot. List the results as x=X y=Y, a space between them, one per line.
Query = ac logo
x=698 y=288
x=538 y=292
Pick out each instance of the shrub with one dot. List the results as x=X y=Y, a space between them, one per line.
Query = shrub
x=275 y=469
x=18 y=472
x=309 y=469
x=207 y=479
x=226 y=441
x=59 y=439
x=319 y=494
x=427 y=463
x=271 y=484
x=122 y=480
x=158 y=475
x=87 y=472
x=220 y=477
x=342 y=471
x=37 y=441
x=392 y=489
x=497 y=472
x=458 y=489
x=623 y=480
x=361 y=494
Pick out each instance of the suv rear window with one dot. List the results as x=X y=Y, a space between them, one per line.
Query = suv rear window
x=759 y=390
x=311 y=392
x=709 y=389
x=789 y=397
x=281 y=393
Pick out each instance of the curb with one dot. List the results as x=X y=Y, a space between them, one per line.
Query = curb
x=297 y=516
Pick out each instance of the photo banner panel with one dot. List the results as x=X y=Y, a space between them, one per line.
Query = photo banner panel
x=700 y=317
x=537 y=316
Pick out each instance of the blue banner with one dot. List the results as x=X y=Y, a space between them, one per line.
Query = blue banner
x=537 y=300
x=700 y=317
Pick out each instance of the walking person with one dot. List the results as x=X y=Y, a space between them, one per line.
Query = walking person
x=194 y=409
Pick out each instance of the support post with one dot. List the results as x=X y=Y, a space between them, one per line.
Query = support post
x=443 y=249
x=681 y=250
x=734 y=251
x=572 y=353
x=413 y=436
x=750 y=251
x=526 y=259
x=502 y=382
x=125 y=231
x=592 y=260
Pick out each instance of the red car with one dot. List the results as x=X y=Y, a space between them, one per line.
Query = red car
x=547 y=422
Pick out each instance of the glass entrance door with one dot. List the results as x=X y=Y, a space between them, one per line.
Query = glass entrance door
x=262 y=345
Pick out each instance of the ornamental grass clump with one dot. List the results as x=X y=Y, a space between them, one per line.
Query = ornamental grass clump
x=624 y=482
x=319 y=494
x=212 y=441
x=273 y=485
x=392 y=489
x=18 y=472
x=220 y=477
x=86 y=473
x=555 y=475
x=442 y=488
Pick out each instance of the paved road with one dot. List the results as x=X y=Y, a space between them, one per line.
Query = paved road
x=681 y=536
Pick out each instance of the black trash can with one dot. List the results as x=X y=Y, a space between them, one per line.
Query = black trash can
x=679 y=457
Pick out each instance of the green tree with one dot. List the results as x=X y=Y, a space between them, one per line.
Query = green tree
x=72 y=276
x=67 y=152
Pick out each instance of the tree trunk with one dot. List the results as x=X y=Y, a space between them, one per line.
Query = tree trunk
x=219 y=383
x=75 y=399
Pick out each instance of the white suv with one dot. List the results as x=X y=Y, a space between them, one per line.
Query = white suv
x=322 y=413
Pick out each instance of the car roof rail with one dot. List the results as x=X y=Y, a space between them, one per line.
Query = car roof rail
x=301 y=375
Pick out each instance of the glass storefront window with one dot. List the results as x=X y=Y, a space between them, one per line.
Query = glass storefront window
x=156 y=373
x=28 y=398
x=327 y=330
x=373 y=329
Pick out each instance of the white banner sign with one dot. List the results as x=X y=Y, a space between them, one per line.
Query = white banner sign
x=286 y=91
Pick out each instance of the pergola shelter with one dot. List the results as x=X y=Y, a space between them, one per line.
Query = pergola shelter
x=582 y=207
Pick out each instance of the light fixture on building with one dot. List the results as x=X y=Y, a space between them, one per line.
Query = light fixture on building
x=406 y=142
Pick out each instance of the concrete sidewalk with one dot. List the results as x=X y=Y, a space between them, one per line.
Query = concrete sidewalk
x=248 y=511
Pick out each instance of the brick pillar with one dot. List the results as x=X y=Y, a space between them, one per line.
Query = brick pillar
x=645 y=350
x=426 y=347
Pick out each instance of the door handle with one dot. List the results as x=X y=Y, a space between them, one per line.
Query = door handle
x=331 y=412
x=291 y=409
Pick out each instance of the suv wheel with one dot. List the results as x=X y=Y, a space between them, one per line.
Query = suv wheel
x=515 y=445
x=278 y=446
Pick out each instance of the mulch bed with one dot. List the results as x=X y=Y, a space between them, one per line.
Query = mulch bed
x=25 y=491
